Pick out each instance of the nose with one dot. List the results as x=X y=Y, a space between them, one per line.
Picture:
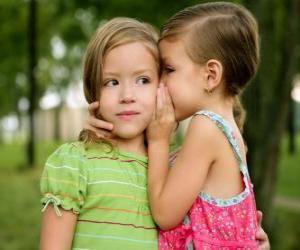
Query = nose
x=127 y=94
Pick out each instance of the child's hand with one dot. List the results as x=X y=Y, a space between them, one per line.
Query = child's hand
x=101 y=128
x=163 y=120
x=261 y=236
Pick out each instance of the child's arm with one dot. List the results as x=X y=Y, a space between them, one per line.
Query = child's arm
x=261 y=236
x=64 y=188
x=57 y=231
x=172 y=191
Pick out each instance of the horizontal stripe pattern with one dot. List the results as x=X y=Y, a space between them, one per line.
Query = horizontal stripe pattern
x=120 y=196
x=109 y=191
x=116 y=182
x=118 y=224
x=117 y=238
x=118 y=210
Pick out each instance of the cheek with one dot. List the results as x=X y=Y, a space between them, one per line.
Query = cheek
x=164 y=78
x=174 y=81
x=104 y=101
x=169 y=78
x=149 y=100
x=106 y=104
x=172 y=90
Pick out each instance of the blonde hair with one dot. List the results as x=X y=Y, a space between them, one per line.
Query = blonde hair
x=116 y=32
x=223 y=31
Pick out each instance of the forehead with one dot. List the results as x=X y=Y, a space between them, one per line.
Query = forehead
x=133 y=54
x=172 y=49
x=129 y=49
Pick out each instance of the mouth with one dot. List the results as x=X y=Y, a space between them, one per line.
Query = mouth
x=127 y=115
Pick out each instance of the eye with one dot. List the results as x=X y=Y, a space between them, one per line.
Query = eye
x=143 y=80
x=168 y=70
x=111 y=83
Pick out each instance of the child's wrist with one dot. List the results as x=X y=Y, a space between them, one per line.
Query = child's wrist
x=158 y=143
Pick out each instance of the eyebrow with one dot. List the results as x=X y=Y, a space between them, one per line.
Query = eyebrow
x=136 y=72
x=110 y=73
x=140 y=71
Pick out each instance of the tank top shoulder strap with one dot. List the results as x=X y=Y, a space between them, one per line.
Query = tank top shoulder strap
x=225 y=127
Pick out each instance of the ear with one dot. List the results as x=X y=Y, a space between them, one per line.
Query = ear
x=214 y=74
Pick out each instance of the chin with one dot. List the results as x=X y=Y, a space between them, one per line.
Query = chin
x=127 y=133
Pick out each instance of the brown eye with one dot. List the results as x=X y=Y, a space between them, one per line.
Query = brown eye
x=111 y=83
x=143 y=80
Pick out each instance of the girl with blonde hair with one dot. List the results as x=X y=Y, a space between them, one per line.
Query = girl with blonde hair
x=94 y=192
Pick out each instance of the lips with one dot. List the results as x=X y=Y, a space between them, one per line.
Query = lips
x=127 y=115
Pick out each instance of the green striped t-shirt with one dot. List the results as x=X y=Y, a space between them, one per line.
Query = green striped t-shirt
x=108 y=192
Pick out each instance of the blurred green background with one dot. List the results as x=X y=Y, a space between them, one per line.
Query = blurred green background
x=42 y=105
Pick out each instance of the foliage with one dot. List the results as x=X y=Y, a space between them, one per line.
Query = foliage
x=13 y=53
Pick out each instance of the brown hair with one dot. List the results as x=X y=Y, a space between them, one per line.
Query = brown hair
x=223 y=31
x=116 y=32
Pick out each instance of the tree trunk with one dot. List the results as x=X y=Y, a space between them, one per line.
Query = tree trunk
x=31 y=79
x=292 y=128
x=267 y=98
x=57 y=127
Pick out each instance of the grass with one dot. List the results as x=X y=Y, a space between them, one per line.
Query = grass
x=286 y=221
x=13 y=156
x=20 y=208
x=286 y=231
x=289 y=171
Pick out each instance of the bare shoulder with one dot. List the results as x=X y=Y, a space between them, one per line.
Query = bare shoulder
x=201 y=140
x=203 y=130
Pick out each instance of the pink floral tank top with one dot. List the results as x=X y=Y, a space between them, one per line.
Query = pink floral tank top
x=217 y=224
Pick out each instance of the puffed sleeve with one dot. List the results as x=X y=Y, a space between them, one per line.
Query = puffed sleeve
x=64 y=179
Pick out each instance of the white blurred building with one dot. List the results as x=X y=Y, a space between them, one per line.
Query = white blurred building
x=72 y=114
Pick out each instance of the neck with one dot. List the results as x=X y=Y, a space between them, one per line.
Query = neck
x=221 y=105
x=135 y=145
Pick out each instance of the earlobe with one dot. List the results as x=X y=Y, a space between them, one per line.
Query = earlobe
x=214 y=74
